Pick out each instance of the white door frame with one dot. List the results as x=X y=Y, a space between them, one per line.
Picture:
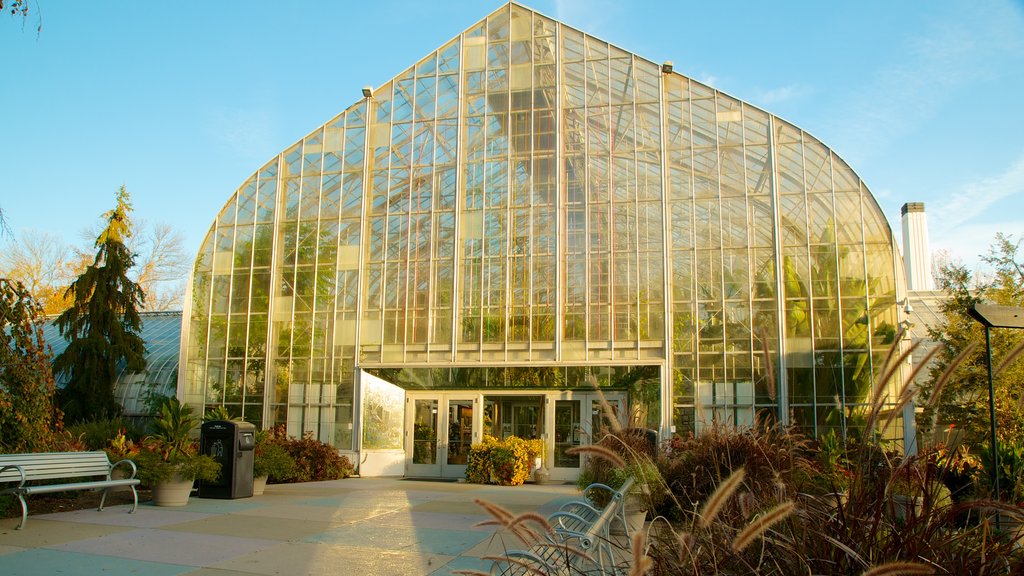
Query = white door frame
x=440 y=468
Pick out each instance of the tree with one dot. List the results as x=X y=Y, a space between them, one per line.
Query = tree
x=963 y=400
x=102 y=324
x=45 y=264
x=27 y=415
x=161 y=267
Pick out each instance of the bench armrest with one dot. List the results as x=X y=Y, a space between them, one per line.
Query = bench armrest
x=126 y=461
x=613 y=493
x=581 y=508
x=569 y=521
x=21 y=472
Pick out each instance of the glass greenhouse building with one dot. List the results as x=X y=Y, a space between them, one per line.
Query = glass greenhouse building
x=524 y=225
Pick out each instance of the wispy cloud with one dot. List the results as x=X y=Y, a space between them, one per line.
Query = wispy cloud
x=588 y=15
x=974 y=198
x=945 y=58
x=957 y=224
x=247 y=133
x=779 y=95
x=708 y=79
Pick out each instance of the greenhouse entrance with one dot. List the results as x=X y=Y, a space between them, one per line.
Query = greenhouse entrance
x=439 y=430
x=440 y=427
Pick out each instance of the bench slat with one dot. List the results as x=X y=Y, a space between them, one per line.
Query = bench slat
x=53 y=465
x=29 y=490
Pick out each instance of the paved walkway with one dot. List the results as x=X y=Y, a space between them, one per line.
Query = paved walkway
x=359 y=526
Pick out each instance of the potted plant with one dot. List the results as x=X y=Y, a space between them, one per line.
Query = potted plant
x=647 y=491
x=169 y=460
x=270 y=460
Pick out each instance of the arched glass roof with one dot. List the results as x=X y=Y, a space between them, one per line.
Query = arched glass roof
x=161 y=331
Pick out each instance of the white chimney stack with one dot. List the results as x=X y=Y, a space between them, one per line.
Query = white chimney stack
x=917 y=257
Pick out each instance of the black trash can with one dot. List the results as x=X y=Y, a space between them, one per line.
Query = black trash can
x=231 y=444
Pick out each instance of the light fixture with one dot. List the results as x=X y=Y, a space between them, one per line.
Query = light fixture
x=367 y=91
x=990 y=317
x=666 y=67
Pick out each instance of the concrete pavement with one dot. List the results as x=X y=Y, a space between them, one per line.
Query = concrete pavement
x=359 y=526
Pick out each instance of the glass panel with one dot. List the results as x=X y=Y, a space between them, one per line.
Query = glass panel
x=424 y=439
x=460 y=430
x=567 y=432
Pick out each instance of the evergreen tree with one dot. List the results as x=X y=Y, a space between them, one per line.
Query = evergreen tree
x=102 y=325
x=963 y=400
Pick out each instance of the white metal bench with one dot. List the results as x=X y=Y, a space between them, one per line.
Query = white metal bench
x=581 y=543
x=78 y=470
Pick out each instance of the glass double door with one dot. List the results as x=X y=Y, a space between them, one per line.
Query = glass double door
x=439 y=430
x=580 y=419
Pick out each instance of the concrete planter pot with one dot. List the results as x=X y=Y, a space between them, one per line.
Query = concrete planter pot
x=172 y=492
x=904 y=506
x=259 y=484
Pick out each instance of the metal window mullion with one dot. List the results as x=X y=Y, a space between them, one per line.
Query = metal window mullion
x=270 y=376
x=509 y=192
x=333 y=312
x=316 y=263
x=587 y=260
x=749 y=271
x=782 y=380
x=362 y=261
x=458 y=254
x=810 y=282
x=694 y=298
x=386 y=260
x=413 y=124
x=668 y=327
x=721 y=251
x=227 y=318
x=209 y=315
x=432 y=240
x=248 y=299
x=636 y=208
x=561 y=204
x=839 y=300
x=610 y=254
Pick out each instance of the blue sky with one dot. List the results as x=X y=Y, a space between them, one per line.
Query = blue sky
x=181 y=102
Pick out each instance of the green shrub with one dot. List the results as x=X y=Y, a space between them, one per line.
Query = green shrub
x=314 y=460
x=29 y=421
x=1011 y=470
x=97 y=434
x=271 y=459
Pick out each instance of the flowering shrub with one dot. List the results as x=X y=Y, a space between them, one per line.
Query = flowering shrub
x=505 y=462
x=314 y=460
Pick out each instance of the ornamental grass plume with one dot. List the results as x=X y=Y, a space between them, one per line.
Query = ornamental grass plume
x=721 y=495
x=599 y=451
x=641 y=563
x=900 y=569
x=760 y=524
x=517 y=525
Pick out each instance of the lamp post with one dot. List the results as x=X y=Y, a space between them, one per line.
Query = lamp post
x=992 y=316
